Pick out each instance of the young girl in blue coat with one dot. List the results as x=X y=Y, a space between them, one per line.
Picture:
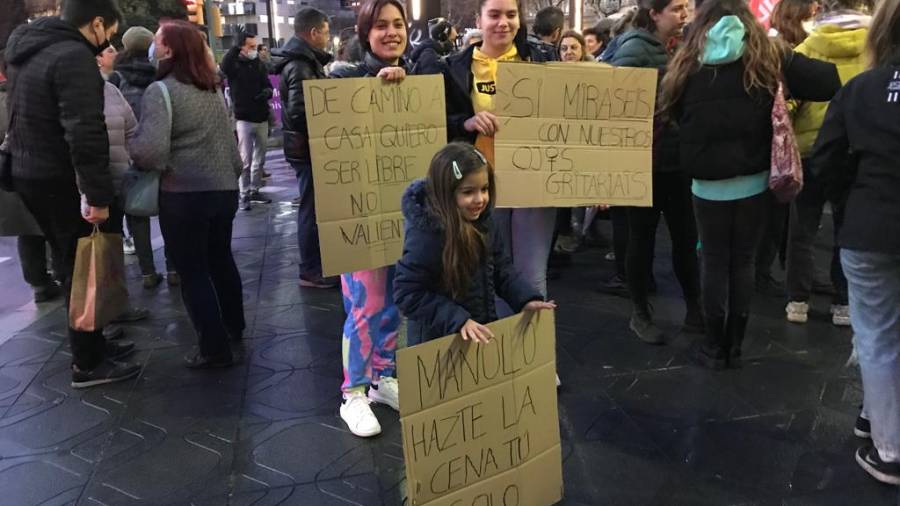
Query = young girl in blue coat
x=453 y=260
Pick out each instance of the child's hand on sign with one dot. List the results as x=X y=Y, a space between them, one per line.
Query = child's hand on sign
x=392 y=74
x=537 y=305
x=474 y=331
x=483 y=122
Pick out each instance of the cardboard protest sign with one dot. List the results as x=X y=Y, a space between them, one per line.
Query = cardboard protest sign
x=480 y=421
x=368 y=140
x=574 y=135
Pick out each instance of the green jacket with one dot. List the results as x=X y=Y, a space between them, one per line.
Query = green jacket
x=640 y=48
x=842 y=47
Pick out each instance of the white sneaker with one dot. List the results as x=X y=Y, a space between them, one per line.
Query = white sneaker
x=797 y=312
x=386 y=392
x=358 y=415
x=128 y=246
x=840 y=315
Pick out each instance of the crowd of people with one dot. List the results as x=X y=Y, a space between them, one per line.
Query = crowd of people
x=80 y=115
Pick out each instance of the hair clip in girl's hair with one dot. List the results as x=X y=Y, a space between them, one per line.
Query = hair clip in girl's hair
x=480 y=156
x=456 y=172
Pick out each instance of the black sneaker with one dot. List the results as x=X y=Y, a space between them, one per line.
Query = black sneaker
x=117 y=350
x=614 y=286
x=295 y=202
x=863 y=428
x=710 y=358
x=132 y=314
x=259 y=198
x=46 y=293
x=645 y=330
x=318 y=282
x=113 y=332
x=886 y=472
x=197 y=360
x=245 y=203
x=107 y=372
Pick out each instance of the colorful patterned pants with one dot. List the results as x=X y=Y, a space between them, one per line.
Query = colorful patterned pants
x=371 y=328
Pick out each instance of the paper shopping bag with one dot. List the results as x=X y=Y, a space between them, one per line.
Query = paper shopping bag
x=98 y=292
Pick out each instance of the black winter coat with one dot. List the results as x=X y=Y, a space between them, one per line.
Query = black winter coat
x=418 y=290
x=458 y=82
x=370 y=66
x=857 y=159
x=249 y=86
x=299 y=62
x=58 y=133
x=726 y=132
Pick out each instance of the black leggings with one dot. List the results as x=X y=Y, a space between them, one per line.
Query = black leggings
x=730 y=233
x=672 y=197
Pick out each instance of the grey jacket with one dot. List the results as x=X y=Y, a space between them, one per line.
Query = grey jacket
x=120 y=126
x=198 y=152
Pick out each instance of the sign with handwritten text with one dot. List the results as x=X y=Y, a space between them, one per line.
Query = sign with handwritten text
x=368 y=140
x=480 y=423
x=574 y=135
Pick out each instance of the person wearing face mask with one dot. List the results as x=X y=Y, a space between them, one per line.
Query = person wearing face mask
x=185 y=134
x=373 y=321
x=60 y=151
x=248 y=80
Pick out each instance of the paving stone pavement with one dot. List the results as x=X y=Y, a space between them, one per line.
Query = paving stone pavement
x=639 y=424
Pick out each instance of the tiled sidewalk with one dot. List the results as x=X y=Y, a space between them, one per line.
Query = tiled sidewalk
x=639 y=424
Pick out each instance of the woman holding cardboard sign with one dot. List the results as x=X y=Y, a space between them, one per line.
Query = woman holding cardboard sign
x=470 y=83
x=373 y=320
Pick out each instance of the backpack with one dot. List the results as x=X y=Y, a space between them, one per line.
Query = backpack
x=133 y=94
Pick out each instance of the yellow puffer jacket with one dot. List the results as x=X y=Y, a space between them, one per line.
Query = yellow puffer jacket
x=841 y=46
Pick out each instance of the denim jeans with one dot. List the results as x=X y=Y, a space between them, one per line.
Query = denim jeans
x=252 y=143
x=197 y=226
x=528 y=233
x=307 y=229
x=805 y=215
x=874 y=287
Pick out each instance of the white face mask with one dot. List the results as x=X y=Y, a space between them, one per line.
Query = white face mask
x=251 y=55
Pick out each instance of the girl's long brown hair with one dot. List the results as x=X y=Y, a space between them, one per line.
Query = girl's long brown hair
x=464 y=243
x=762 y=56
x=883 y=44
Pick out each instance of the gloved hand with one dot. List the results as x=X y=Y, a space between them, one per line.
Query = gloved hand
x=266 y=94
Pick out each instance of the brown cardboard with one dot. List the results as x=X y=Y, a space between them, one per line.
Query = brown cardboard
x=368 y=141
x=574 y=135
x=482 y=419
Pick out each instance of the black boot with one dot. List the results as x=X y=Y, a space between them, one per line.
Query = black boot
x=712 y=351
x=642 y=325
x=735 y=330
x=693 y=318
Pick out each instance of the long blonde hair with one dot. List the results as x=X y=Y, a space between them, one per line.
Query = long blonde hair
x=762 y=56
x=883 y=43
